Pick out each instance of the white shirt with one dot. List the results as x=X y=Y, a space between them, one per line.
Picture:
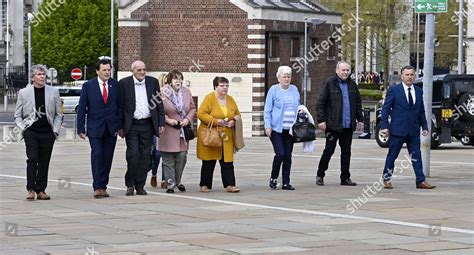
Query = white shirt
x=101 y=86
x=412 y=92
x=142 y=110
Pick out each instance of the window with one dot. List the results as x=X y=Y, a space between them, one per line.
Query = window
x=332 y=48
x=314 y=43
x=274 y=46
x=295 y=47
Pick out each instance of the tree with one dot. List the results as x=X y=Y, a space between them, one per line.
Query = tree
x=383 y=17
x=71 y=33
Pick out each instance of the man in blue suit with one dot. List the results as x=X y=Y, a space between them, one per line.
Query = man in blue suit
x=404 y=104
x=99 y=101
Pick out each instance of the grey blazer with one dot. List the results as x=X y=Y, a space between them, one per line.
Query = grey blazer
x=25 y=112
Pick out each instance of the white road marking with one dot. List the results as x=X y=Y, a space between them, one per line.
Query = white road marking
x=303 y=211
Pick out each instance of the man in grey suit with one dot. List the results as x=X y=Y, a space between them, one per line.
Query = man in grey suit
x=38 y=115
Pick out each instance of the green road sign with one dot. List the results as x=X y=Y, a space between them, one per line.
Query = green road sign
x=431 y=6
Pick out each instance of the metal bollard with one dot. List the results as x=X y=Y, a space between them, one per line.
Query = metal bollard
x=366 y=134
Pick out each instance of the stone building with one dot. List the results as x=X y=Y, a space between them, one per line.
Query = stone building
x=245 y=41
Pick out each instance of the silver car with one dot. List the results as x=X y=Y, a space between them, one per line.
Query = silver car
x=69 y=98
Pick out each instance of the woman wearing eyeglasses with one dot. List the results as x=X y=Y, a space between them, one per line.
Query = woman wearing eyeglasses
x=179 y=113
x=220 y=109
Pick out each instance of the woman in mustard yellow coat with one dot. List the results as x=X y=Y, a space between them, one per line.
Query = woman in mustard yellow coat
x=221 y=108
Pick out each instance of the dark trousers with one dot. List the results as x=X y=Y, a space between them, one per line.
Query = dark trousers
x=283 y=147
x=413 y=146
x=207 y=172
x=156 y=158
x=39 y=147
x=102 y=153
x=138 y=140
x=345 y=142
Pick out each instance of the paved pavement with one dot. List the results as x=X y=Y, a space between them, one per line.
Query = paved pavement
x=309 y=220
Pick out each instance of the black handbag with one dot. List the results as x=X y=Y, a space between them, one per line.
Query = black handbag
x=303 y=130
x=188 y=133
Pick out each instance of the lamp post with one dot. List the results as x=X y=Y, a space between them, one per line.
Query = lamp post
x=305 y=72
x=357 y=44
x=29 y=17
x=112 y=38
x=460 y=37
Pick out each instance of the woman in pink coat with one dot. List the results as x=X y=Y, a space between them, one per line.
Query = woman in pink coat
x=179 y=112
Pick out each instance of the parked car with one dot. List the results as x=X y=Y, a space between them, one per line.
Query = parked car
x=69 y=98
x=452 y=110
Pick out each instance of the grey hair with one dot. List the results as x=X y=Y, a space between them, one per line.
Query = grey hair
x=36 y=68
x=135 y=63
x=283 y=70
x=342 y=62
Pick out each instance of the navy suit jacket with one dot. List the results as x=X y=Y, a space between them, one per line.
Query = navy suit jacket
x=405 y=120
x=99 y=114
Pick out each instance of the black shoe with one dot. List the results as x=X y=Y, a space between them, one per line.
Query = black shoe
x=348 y=182
x=141 y=192
x=129 y=191
x=319 y=181
x=182 y=188
x=287 y=187
x=170 y=191
x=273 y=183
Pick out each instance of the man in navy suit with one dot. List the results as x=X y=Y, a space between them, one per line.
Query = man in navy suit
x=404 y=104
x=99 y=101
x=143 y=117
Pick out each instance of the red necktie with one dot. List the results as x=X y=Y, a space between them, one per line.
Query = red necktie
x=104 y=93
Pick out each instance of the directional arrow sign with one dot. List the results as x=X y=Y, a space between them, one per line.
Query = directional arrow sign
x=431 y=6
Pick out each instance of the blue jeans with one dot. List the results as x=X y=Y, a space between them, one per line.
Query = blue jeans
x=283 y=147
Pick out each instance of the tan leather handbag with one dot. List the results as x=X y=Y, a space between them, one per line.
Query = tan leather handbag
x=211 y=137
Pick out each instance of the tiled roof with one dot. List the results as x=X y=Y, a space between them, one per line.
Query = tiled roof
x=290 y=5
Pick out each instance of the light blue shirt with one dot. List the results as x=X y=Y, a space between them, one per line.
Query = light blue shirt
x=346 y=105
x=289 y=112
x=275 y=106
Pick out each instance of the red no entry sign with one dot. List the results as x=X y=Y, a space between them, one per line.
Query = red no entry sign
x=76 y=73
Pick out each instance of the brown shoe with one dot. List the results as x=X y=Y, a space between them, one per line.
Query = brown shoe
x=98 y=193
x=153 y=182
x=104 y=193
x=130 y=191
x=43 y=196
x=387 y=185
x=164 y=185
x=31 y=195
x=205 y=189
x=142 y=192
x=425 y=185
x=232 y=189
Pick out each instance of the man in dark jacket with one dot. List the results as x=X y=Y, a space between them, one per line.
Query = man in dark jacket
x=338 y=108
x=143 y=117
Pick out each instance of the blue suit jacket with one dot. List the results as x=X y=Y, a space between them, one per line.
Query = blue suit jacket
x=99 y=114
x=405 y=120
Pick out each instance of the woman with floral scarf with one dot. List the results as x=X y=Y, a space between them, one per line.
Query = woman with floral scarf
x=179 y=112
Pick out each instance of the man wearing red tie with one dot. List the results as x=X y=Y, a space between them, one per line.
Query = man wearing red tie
x=99 y=101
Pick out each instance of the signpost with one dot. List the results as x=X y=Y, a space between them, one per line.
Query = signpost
x=76 y=73
x=431 y=6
